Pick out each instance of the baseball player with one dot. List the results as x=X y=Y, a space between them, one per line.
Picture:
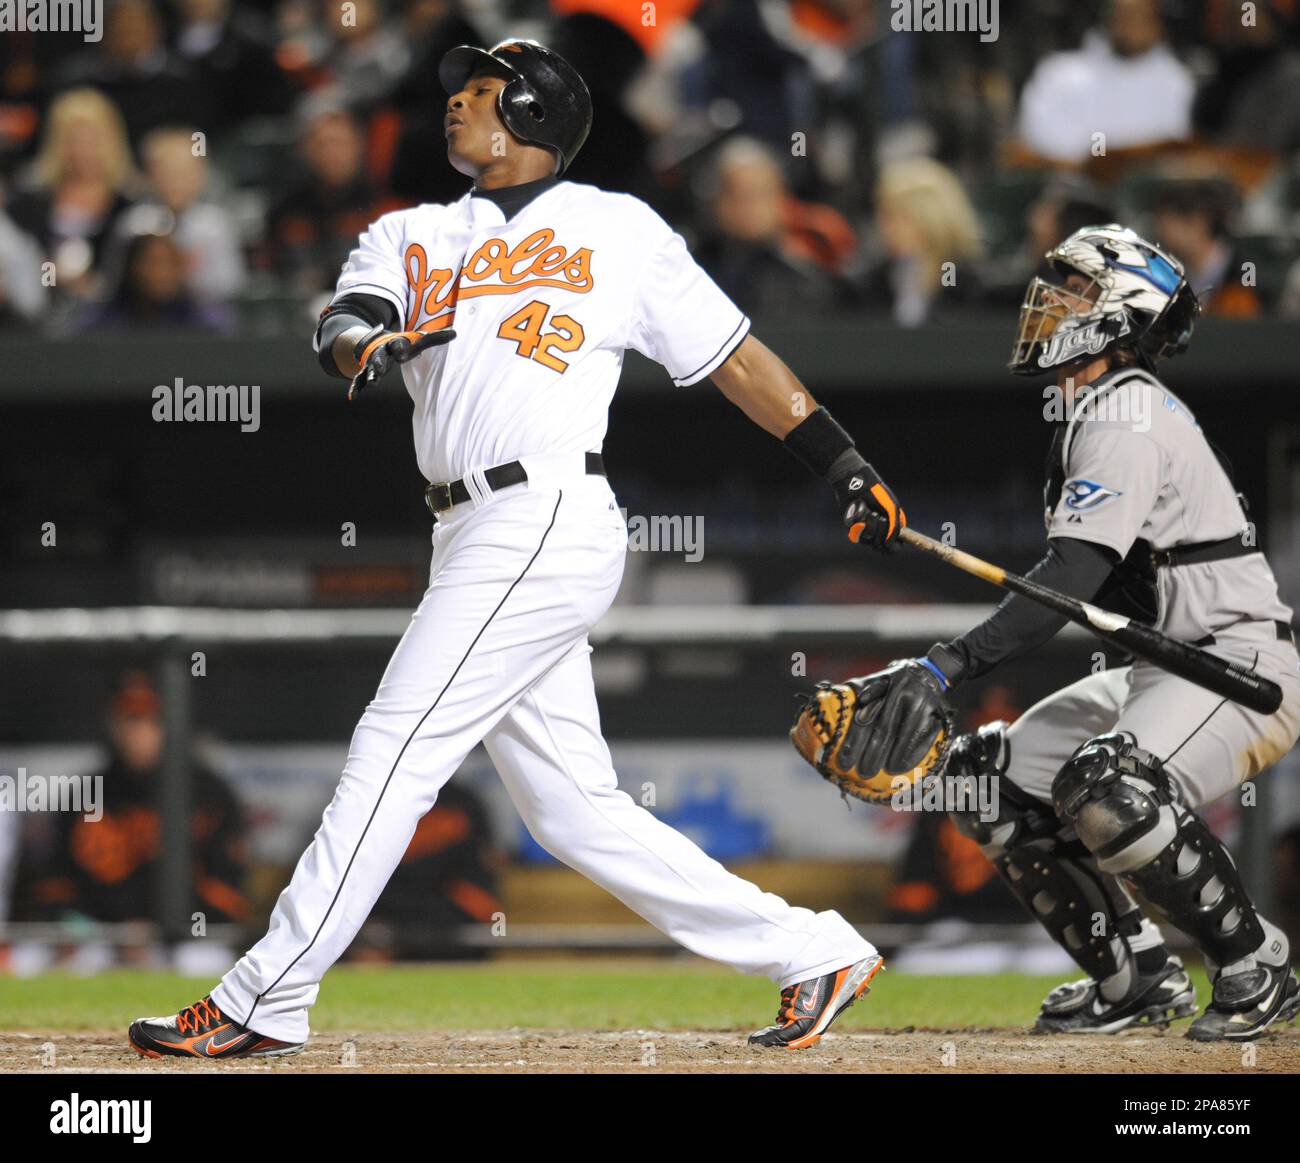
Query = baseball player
x=1100 y=782
x=508 y=313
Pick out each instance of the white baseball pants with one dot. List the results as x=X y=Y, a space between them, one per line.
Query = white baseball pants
x=497 y=652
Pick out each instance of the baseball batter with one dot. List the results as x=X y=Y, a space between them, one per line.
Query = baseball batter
x=509 y=312
x=1100 y=782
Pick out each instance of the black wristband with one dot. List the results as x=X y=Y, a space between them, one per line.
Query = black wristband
x=823 y=447
x=350 y=311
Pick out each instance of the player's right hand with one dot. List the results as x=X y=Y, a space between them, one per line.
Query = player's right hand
x=380 y=350
x=871 y=512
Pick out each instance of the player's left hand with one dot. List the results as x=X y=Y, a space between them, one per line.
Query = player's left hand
x=870 y=511
x=865 y=735
x=380 y=350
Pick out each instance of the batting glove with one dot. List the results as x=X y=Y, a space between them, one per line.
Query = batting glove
x=378 y=350
x=869 y=508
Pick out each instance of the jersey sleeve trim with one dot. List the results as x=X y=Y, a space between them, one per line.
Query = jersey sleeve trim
x=718 y=358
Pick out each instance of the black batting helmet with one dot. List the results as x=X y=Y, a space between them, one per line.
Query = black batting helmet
x=545 y=102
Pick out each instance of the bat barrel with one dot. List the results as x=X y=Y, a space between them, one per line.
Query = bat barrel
x=1251 y=690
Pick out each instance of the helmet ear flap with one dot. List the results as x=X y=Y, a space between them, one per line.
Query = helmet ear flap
x=1171 y=332
x=521 y=108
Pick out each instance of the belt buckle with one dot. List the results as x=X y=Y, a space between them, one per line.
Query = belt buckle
x=438 y=497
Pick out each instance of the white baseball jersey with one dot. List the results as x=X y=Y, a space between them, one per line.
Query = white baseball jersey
x=544 y=307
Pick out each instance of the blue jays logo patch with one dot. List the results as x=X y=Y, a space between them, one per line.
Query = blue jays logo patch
x=1081 y=494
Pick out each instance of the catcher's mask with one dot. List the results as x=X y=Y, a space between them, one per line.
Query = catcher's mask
x=1135 y=295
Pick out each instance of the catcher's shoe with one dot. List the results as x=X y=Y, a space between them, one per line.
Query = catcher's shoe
x=808 y=1008
x=202 y=1031
x=1156 y=999
x=1246 y=1003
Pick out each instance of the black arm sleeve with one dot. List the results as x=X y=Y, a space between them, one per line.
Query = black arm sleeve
x=348 y=311
x=1018 y=625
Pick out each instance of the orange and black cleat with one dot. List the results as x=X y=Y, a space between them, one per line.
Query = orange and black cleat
x=808 y=1008
x=202 y=1031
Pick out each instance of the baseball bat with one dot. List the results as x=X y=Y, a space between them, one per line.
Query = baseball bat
x=1189 y=662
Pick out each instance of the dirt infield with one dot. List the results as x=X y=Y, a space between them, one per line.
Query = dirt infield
x=706 y=1052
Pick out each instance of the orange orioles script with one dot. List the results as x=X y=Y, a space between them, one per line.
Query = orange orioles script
x=493 y=269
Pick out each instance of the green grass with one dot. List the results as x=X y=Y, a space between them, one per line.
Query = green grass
x=546 y=994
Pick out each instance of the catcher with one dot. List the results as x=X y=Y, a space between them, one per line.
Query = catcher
x=1100 y=782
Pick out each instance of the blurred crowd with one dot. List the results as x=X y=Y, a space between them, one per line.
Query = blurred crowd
x=80 y=869
x=208 y=164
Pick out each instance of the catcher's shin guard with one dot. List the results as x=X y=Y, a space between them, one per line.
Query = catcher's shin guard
x=1128 y=813
x=1087 y=913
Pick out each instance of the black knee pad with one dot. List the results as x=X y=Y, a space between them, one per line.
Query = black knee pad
x=1117 y=798
x=983 y=754
x=1127 y=812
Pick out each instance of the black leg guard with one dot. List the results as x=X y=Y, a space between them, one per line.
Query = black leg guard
x=1128 y=813
x=1087 y=913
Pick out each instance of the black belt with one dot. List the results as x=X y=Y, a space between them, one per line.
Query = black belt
x=443 y=496
x=1198 y=552
x=1283 y=629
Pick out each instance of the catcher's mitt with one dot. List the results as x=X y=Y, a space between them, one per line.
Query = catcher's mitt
x=866 y=734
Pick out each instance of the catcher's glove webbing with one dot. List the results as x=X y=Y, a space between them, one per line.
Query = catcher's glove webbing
x=874 y=735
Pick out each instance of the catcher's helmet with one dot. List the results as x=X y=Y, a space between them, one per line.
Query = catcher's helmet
x=1137 y=296
x=545 y=102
